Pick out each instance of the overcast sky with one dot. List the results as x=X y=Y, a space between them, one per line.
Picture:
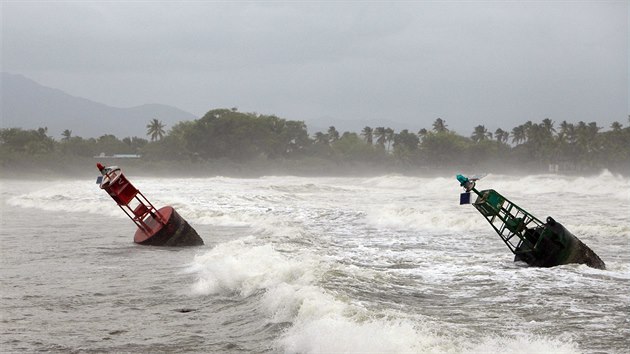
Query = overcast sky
x=469 y=62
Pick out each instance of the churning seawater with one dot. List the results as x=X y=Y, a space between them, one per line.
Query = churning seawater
x=389 y=264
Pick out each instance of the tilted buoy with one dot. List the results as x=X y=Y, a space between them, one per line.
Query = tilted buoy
x=164 y=227
x=532 y=241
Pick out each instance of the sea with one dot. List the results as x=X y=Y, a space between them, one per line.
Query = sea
x=389 y=264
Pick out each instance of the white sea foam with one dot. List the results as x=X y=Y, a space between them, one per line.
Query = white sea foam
x=324 y=322
x=338 y=334
x=389 y=201
x=605 y=184
x=71 y=196
x=242 y=267
x=524 y=343
x=423 y=218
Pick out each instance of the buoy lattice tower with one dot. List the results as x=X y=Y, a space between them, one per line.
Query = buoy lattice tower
x=537 y=243
x=163 y=227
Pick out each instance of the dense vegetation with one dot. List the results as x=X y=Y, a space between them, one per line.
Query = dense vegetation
x=226 y=136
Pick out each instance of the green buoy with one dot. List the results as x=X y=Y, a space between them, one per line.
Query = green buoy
x=537 y=243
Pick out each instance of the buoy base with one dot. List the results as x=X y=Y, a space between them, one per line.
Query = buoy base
x=176 y=232
x=560 y=247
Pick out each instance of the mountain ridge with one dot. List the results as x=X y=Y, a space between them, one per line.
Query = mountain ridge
x=29 y=105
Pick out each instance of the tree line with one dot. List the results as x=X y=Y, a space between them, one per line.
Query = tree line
x=230 y=135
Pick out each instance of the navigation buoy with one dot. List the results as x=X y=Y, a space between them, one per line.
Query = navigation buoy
x=532 y=241
x=164 y=227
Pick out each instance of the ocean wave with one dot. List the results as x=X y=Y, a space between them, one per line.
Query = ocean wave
x=73 y=197
x=322 y=321
x=242 y=267
x=420 y=218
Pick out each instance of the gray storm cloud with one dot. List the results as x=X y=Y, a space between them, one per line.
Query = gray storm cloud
x=491 y=63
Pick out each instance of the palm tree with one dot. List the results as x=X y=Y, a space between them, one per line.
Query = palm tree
x=480 y=133
x=422 y=133
x=501 y=135
x=571 y=133
x=593 y=129
x=333 y=134
x=155 y=129
x=581 y=135
x=586 y=136
x=67 y=134
x=367 y=134
x=567 y=132
x=616 y=126
x=518 y=134
x=530 y=130
x=548 y=125
x=439 y=126
x=389 y=136
x=379 y=134
x=564 y=129
x=536 y=134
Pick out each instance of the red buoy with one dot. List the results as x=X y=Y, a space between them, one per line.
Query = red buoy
x=164 y=227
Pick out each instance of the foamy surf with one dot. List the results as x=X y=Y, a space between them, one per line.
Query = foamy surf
x=323 y=322
x=389 y=264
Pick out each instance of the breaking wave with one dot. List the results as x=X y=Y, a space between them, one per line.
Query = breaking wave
x=323 y=321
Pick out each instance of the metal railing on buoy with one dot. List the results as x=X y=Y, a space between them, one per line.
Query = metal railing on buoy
x=537 y=243
x=163 y=227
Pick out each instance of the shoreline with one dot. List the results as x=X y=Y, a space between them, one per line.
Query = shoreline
x=43 y=169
